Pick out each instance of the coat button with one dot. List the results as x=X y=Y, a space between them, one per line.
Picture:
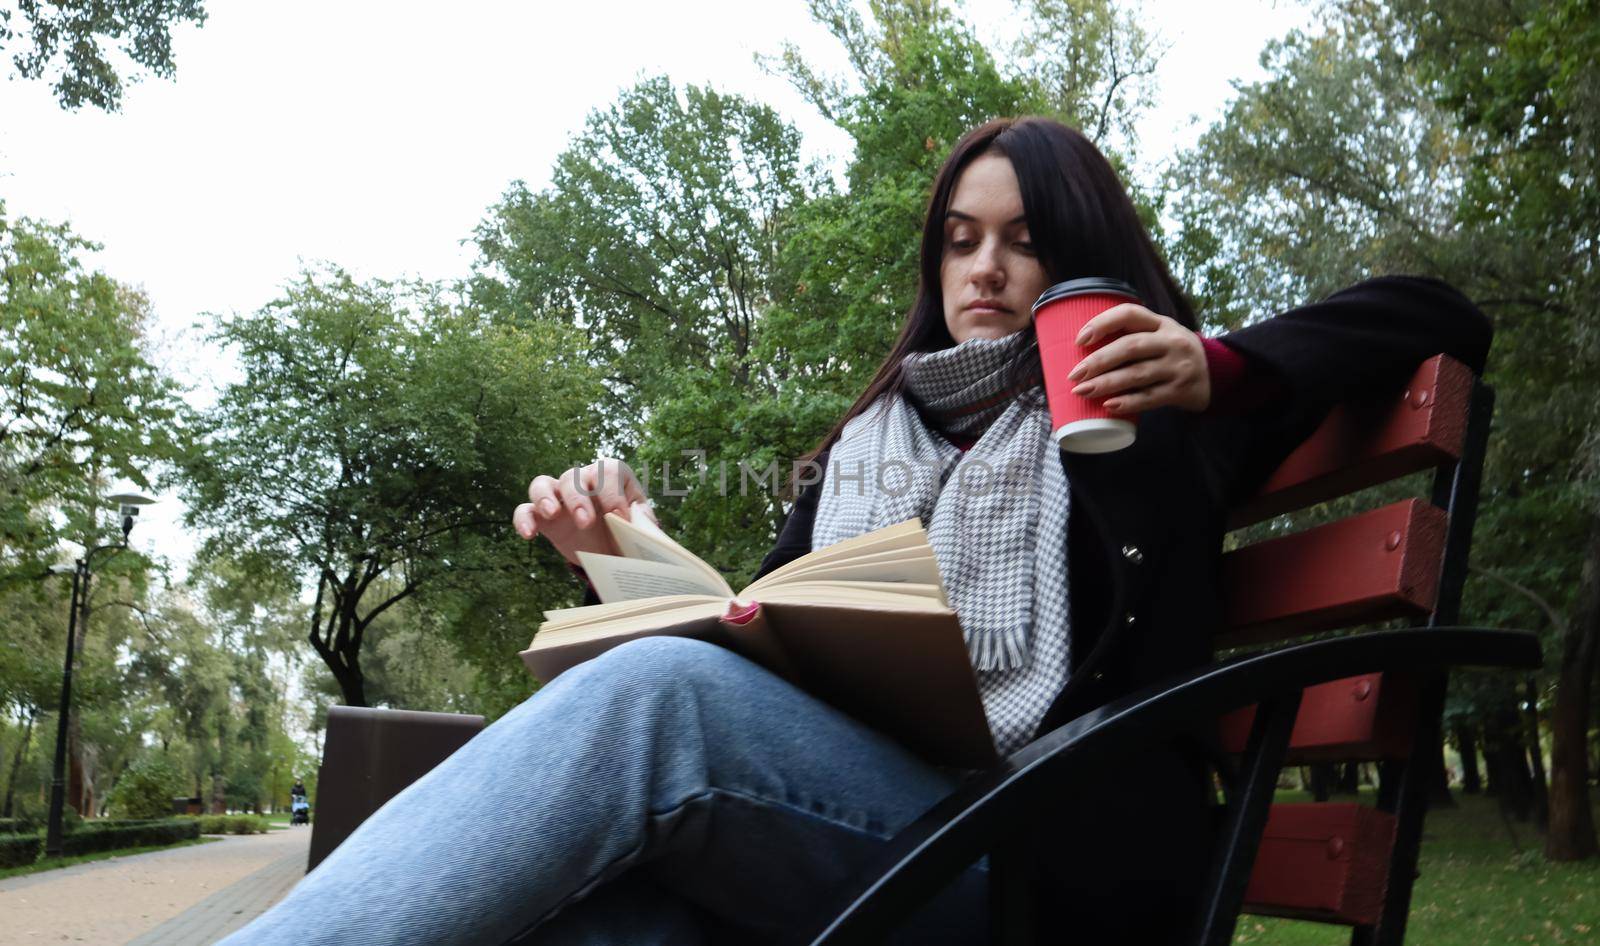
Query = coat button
x=1129 y=619
x=1098 y=675
x=1132 y=554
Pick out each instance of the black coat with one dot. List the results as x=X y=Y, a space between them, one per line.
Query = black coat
x=1144 y=550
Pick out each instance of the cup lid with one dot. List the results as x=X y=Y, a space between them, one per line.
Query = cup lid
x=1085 y=286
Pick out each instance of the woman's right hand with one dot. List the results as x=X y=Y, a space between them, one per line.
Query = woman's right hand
x=573 y=521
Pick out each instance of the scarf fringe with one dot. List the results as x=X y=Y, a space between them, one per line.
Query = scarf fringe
x=997 y=650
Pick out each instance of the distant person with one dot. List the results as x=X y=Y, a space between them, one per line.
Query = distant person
x=299 y=806
x=669 y=791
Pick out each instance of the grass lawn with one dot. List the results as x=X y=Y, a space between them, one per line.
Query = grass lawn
x=51 y=863
x=1476 y=889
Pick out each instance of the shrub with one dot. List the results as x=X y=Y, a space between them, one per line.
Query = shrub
x=100 y=824
x=97 y=837
x=20 y=850
x=212 y=824
x=19 y=825
x=145 y=790
x=247 y=824
x=231 y=824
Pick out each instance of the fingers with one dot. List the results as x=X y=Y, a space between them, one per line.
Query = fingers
x=1135 y=377
x=580 y=507
x=1132 y=402
x=605 y=481
x=1128 y=317
x=1156 y=362
x=1140 y=346
x=544 y=497
x=579 y=499
x=522 y=519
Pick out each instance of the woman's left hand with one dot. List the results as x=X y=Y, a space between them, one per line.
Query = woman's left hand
x=1156 y=362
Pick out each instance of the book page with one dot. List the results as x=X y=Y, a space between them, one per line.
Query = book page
x=642 y=515
x=549 y=637
x=626 y=579
x=910 y=565
x=591 y=613
x=892 y=595
x=650 y=544
x=903 y=535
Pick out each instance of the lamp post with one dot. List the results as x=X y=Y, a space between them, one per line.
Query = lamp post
x=79 y=611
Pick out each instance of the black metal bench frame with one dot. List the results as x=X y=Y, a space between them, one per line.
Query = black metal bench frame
x=991 y=814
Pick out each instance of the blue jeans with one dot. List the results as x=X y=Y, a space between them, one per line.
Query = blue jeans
x=663 y=791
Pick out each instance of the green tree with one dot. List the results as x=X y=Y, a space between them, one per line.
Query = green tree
x=146 y=788
x=1355 y=158
x=1521 y=77
x=375 y=427
x=69 y=43
x=658 y=236
x=79 y=399
x=1092 y=63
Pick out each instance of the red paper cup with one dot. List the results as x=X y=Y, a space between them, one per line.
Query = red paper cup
x=1079 y=424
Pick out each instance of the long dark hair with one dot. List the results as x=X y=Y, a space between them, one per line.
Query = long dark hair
x=1080 y=219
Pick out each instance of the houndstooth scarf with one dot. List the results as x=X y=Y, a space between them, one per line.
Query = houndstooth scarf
x=996 y=515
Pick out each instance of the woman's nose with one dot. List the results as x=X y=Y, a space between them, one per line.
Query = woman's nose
x=986 y=266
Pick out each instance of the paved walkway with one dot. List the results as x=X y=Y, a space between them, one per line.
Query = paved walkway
x=189 y=896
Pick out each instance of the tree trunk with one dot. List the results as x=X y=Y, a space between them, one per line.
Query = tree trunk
x=1509 y=780
x=1322 y=779
x=1471 y=781
x=1439 y=780
x=339 y=644
x=18 y=758
x=1349 y=780
x=1571 y=836
x=1541 y=786
x=219 y=772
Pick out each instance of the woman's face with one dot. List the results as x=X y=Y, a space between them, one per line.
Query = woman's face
x=989 y=274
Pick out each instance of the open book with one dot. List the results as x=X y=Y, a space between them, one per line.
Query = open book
x=863 y=624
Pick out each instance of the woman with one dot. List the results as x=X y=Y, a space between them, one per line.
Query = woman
x=669 y=791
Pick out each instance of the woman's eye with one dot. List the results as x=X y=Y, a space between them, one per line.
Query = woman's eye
x=963 y=244
x=1024 y=245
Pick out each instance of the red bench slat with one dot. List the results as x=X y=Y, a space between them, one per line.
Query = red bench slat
x=1371 y=567
x=1358 y=446
x=1325 y=862
x=1357 y=719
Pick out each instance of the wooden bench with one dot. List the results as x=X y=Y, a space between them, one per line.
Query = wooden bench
x=1374 y=696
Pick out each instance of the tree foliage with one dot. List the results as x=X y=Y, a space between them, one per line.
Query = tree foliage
x=80 y=401
x=659 y=236
x=374 y=426
x=146 y=788
x=71 y=43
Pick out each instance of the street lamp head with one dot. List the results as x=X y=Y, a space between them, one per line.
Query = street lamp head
x=130 y=503
x=61 y=569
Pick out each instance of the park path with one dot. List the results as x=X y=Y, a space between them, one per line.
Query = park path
x=188 y=896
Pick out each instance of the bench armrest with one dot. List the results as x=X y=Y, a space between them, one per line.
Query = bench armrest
x=371 y=755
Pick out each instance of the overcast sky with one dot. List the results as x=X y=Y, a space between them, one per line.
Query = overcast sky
x=375 y=135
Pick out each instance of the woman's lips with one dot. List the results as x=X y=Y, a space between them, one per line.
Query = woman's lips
x=984 y=310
